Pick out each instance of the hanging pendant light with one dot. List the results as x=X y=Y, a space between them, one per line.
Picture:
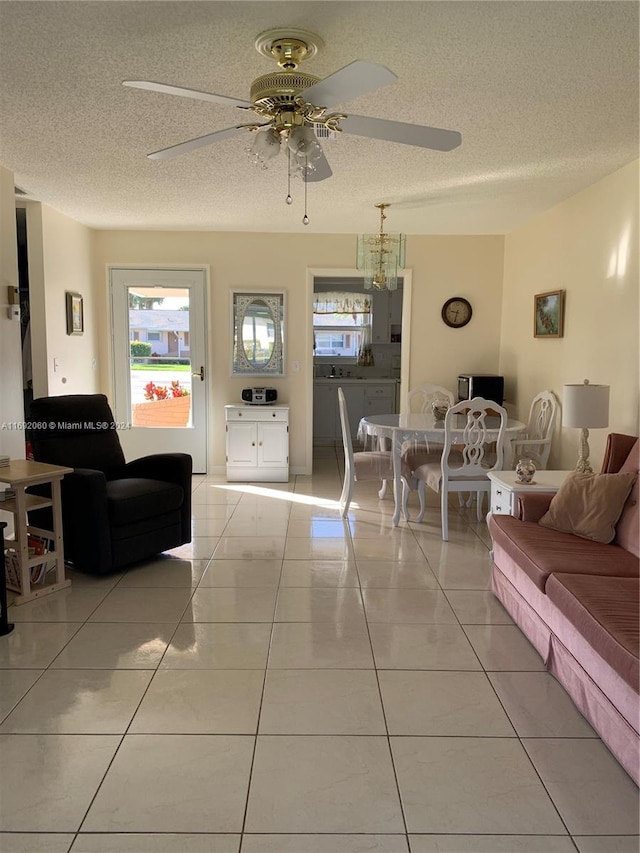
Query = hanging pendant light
x=381 y=256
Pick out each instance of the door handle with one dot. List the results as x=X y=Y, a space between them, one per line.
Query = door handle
x=200 y=373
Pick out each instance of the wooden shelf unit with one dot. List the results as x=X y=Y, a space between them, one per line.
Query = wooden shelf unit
x=19 y=475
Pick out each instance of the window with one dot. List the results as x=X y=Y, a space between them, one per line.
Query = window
x=153 y=336
x=340 y=324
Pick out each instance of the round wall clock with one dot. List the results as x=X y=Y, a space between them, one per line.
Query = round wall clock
x=456 y=312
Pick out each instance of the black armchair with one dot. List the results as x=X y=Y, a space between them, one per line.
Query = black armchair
x=113 y=513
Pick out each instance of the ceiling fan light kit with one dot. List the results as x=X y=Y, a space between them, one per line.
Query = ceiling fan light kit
x=380 y=256
x=291 y=105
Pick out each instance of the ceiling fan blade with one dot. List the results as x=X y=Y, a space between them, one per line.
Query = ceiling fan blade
x=349 y=82
x=199 y=142
x=398 y=131
x=320 y=172
x=186 y=93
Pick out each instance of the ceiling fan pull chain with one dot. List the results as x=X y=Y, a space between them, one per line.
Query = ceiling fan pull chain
x=305 y=218
x=289 y=199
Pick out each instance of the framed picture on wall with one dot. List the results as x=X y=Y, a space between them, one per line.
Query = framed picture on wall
x=75 y=313
x=548 y=317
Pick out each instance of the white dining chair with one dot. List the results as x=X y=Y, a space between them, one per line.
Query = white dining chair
x=535 y=442
x=420 y=398
x=364 y=464
x=465 y=466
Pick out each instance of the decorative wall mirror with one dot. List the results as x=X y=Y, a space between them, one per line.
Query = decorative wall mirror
x=258 y=330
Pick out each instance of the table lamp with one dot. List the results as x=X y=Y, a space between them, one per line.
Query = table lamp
x=585 y=407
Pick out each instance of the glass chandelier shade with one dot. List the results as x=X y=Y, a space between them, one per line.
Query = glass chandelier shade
x=380 y=256
x=266 y=144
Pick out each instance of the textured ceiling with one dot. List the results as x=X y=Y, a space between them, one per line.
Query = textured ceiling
x=545 y=95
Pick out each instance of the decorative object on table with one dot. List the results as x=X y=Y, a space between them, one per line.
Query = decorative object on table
x=456 y=312
x=75 y=313
x=290 y=110
x=381 y=256
x=548 y=317
x=585 y=407
x=525 y=471
x=440 y=409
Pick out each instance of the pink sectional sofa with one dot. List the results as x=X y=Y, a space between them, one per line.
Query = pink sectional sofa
x=577 y=601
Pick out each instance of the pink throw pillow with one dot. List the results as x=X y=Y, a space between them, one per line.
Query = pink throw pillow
x=589 y=505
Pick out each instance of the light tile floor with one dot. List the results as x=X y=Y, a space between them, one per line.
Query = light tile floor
x=294 y=683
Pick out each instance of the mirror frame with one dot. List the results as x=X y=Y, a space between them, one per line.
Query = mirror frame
x=241 y=300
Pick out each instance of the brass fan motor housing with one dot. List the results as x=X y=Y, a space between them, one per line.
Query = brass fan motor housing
x=280 y=88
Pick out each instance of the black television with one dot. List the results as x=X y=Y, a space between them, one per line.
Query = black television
x=486 y=385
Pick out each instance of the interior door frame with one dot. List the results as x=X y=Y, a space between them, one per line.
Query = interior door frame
x=341 y=272
x=155 y=267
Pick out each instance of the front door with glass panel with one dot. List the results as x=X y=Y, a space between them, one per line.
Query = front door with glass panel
x=159 y=361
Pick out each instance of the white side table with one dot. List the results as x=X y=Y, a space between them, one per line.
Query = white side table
x=505 y=490
x=19 y=474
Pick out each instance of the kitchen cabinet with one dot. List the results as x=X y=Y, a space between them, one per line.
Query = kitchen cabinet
x=325 y=409
x=257 y=443
x=363 y=397
x=387 y=316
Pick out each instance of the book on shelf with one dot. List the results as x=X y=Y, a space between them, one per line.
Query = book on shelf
x=37 y=546
x=4 y=461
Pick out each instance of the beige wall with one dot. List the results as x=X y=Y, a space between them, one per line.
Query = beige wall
x=442 y=267
x=11 y=400
x=587 y=246
x=66 y=252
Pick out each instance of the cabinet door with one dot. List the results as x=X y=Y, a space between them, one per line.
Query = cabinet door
x=380 y=324
x=354 y=397
x=273 y=445
x=379 y=400
x=242 y=444
x=326 y=425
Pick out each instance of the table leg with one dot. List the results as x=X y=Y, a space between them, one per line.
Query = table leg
x=396 y=450
x=6 y=627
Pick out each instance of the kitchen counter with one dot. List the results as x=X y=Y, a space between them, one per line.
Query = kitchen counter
x=355 y=380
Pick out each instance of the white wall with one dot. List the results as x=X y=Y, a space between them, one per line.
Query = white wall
x=587 y=246
x=442 y=267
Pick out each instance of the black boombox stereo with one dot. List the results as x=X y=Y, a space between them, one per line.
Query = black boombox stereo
x=259 y=396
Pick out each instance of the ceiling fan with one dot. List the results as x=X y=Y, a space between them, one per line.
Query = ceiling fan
x=286 y=105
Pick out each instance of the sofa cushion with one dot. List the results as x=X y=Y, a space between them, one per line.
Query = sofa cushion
x=540 y=551
x=628 y=526
x=605 y=611
x=135 y=499
x=589 y=505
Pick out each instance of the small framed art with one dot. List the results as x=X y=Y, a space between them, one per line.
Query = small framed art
x=548 y=318
x=75 y=313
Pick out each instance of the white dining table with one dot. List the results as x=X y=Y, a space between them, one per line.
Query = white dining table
x=421 y=426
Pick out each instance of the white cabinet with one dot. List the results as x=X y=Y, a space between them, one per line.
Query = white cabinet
x=354 y=398
x=325 y=407
x=505 y=491
x=378 y=400
x=257 y=443
x=362 y=398
x=387 y=316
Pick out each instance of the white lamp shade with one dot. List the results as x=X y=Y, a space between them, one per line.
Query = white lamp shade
x=585 y=406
